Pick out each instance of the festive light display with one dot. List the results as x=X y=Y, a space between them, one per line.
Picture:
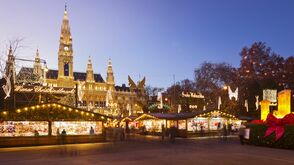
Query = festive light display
x=23 y=128
x=42 y=89
x=76 y=127
x=219 y=103
x=144 y=116
x=68 y=112
x=159 y=98
x=193 y=95
x=179 y=108
x=270 y=95
x=264 y=109
x=7 y=86
x=233 y=94
x=80 y=90
x=284 y=103
x=246 y=105
x=256 y=102
x=213 y=120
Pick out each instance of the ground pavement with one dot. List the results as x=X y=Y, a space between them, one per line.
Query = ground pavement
x=149 y=150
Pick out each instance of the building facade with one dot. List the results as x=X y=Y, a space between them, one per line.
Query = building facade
x=92 y=91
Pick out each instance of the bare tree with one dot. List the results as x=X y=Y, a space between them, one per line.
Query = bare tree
x=16 y=45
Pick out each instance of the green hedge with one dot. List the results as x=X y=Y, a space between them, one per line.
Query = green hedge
x=257 y=132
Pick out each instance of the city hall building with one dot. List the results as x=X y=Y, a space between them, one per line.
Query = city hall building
x=89 y=90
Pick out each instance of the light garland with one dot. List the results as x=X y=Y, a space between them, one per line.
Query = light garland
x=54 y=105
x=145 y=115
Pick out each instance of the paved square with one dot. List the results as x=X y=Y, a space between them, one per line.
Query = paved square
x=149 y=151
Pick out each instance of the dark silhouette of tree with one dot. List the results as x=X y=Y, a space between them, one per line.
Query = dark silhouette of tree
x=210 y=80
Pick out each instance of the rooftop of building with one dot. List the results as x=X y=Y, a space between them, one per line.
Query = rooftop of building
x=53 y=74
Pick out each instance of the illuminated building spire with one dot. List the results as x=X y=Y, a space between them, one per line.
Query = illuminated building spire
x=37 y=65
x=10 y=62
x=90 y=74
x=110 y=77
x=65 y=52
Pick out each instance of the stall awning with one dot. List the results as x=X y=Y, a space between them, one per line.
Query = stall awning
x=51 y=111
x=184 y=115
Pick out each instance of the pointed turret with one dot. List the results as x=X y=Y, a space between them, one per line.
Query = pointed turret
x=10 y=62
x=90 y=74
x=110 y=77
x=37 y=65
x=65 y=53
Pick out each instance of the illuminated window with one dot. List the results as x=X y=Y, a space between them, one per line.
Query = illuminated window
x=66 y=69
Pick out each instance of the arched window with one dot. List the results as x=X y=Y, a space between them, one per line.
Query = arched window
x=66 y=69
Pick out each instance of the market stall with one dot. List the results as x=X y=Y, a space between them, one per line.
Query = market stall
x=189 y=121
x=153 y=122
x=50 y=119
x=212 y=121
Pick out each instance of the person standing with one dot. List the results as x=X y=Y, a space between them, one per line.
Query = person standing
x=173 y=133
x=242 y=133
x=225 y=132
x=57 y=132
x=92 y=131
x=162 y=131
x=36 y=133
x=63 y=134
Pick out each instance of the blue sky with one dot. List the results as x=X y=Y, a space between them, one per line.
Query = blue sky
x=152 y=38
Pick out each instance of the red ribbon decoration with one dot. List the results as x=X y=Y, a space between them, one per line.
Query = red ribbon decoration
x=257 y=122
x=277 y=125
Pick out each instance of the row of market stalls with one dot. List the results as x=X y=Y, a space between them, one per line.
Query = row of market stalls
x=53 y=118
x=185 y=122
x=50 y=119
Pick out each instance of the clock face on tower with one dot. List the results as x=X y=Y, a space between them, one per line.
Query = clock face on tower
x=66 y=48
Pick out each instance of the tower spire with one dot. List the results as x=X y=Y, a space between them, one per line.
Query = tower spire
x=110 y=77
x=90 y=73
x=65 y=52
x=37 y=65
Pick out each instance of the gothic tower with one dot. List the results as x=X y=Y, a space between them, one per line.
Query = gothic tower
x=10 y=63
x=90 y=74
x=110 y=77
x=37 y=65
x=65 y=54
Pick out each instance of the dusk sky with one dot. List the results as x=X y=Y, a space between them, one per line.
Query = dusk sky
x=152 y=38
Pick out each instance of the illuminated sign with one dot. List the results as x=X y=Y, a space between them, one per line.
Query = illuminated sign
x=193 y=106
x=43 y=89
x=192 y=95
x=270 y=95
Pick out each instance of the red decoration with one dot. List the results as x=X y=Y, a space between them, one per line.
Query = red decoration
x=257 y=122
x=277 y=125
